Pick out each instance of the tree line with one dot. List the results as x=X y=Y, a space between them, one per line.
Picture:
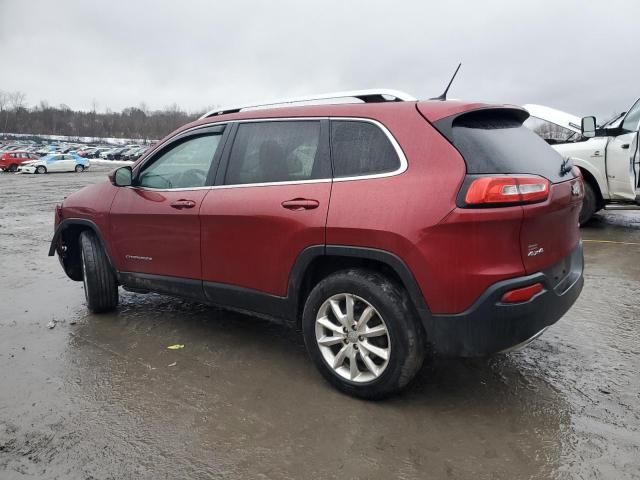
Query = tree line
x=134 y=122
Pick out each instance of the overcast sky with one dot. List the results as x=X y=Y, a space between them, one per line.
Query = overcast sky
x=579 y=56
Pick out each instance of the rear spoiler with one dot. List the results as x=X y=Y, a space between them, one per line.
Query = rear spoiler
x=445 y=125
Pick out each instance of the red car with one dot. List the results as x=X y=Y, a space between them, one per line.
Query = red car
x=383 y=229
x=10 y=161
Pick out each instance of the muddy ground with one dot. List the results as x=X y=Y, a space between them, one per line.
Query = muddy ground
x=96 y=397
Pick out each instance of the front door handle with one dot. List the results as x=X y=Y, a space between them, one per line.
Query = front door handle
x=298 y=204
x=624 y=146
x=182 y=203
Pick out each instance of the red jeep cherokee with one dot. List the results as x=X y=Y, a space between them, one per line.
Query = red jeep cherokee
x=381 y=228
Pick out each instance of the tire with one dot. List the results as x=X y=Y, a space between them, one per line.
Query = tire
x=100 y=286
x=13 y=168
x=79 y=168
x=403 y=341
x=41 y=169
x=589 y=204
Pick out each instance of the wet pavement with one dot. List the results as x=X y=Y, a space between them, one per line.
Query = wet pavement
x=97 y=396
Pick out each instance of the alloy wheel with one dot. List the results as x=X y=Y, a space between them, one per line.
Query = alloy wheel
x=353 y=338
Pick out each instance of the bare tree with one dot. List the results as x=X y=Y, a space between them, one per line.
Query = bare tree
x=17 y=99
x=135 y=122
x=4 y=102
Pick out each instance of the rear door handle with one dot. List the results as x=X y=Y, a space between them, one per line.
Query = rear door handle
x=299 y=204
x=182 y=203
x=624 y=146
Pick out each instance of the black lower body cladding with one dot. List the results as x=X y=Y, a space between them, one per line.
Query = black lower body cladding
x=490 y=326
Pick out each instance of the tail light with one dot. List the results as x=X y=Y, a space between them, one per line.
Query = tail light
x=503 y=190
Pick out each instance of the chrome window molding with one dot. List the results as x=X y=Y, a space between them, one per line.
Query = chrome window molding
x=396 y=146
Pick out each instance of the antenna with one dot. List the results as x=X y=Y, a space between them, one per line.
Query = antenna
x=443 y=97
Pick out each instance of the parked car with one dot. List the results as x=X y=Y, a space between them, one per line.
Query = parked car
x=11 y=148
x=133 y=153
x=88 y=152
x=58 y=162
x=380 y=228
x=9 y=161
x=607 y=158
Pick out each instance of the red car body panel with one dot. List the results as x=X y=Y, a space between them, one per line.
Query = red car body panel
x=544 y=226
x=250 y=240
x=149 y=235
x=92 y=203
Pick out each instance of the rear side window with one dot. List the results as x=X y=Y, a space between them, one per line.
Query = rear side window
x=276 y=151
x=361 y=148
x=496 y=141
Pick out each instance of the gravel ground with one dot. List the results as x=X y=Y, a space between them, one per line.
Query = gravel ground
x=101 y=396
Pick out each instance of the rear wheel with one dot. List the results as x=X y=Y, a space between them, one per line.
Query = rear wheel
x=361 y=332
x=79 y=168
x=100 y=286
x=589 y=204
x=13 y=168
x=41 y=169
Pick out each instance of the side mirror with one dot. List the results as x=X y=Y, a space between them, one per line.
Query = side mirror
x=122 y=177
x=588 y=127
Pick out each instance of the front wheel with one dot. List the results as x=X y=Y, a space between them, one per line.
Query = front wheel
x=79 y=168
x=41 y=169
x=361 y=331
x=100 y=285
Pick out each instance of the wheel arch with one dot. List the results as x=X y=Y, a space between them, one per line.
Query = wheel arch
x=591 y=180
x=316 y=263
x=66 y=242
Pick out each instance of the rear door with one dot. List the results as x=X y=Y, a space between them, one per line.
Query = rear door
x=68 y=163
x=621 y=168
x=270 y=203
x=54 y=163
x=155 y=228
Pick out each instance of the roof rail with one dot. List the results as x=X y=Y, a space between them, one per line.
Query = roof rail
x=367 y=96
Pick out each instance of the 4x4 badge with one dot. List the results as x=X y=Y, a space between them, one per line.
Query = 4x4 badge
x=575 y=189
x=535 y=250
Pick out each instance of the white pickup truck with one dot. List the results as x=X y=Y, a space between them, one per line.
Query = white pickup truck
x=607 y=156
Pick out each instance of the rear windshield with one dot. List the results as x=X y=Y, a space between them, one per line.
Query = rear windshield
x=496 y=141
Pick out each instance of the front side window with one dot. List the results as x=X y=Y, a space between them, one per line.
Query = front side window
x=550 y=132
x=361 y=148
x=184 y=165
x=276 y=151
x=632 y=119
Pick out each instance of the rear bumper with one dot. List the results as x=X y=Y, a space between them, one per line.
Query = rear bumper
x=491 y=326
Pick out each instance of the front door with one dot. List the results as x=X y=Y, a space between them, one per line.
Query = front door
x=621 y=173
x=270 y=202
x=154 y=224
